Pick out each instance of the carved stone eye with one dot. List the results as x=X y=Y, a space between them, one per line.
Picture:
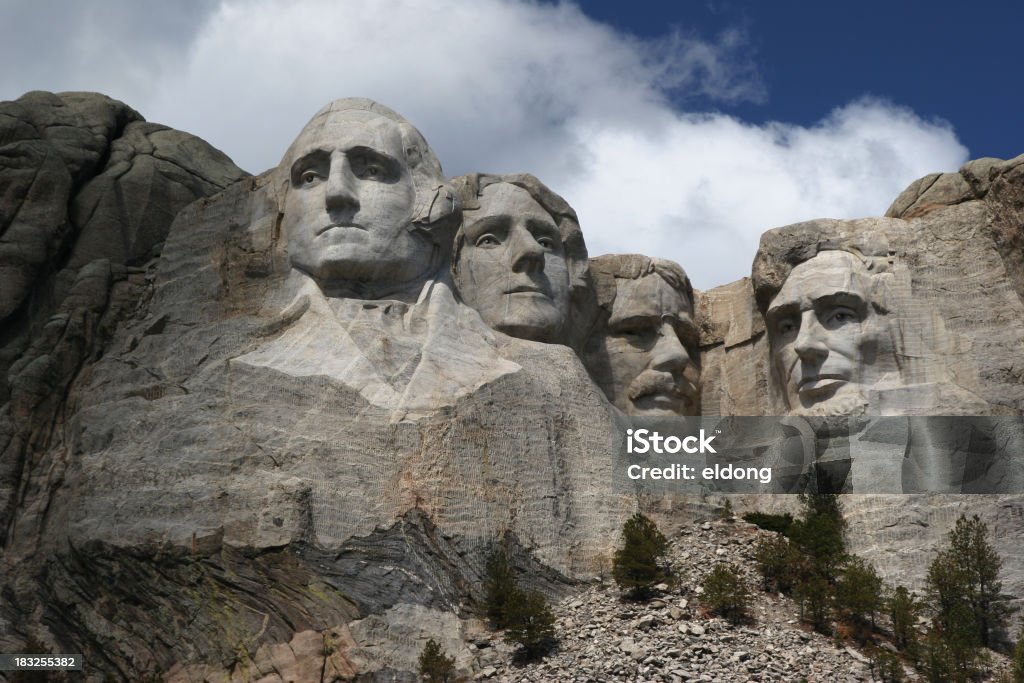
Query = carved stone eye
x=309 y=177
x=487 y=241
x=786 y=326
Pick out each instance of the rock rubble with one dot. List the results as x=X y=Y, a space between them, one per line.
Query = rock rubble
x=672 y=639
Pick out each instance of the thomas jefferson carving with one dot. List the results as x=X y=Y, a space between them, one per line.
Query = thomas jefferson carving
x=643 y=351
x=519 y=258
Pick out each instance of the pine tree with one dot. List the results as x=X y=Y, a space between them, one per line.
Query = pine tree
x=500 y=588
x=780 y=564
x=903 y=611
x=725 y=594
x=530 y=624
x=819 y=535
x=635 y=566
x=434 y=665
x=963 y=584
x=1017 y=672
x=858 y=596
x=815 y=601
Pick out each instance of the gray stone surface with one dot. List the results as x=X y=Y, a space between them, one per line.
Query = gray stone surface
x=268 y=455
x=250 y=429
x=642 y=348
x=520 y=260
x=88 y=191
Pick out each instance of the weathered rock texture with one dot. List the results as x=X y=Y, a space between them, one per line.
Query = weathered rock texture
x=212 y=469
x=88 y=190
x=252 y=468
x=951 y=243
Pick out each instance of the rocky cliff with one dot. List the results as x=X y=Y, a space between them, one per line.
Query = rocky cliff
x=210 y=470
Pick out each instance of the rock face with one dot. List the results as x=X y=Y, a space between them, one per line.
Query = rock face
x=949 y=253
x=250 y=427
x=89 y=190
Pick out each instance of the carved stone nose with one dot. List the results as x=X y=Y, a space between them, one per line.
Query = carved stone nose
x=341 y=186
x=669 y=353
x=810 y=340
x=527 y=253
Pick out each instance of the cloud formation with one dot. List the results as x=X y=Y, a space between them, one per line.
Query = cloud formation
x=506 y=86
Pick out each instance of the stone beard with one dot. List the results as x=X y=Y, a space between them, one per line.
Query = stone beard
x=825 y=330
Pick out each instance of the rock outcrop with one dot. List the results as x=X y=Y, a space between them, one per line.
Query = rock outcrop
x=223 y=456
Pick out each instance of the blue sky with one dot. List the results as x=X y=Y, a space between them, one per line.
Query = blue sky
x=956 y=61
x=679 y=129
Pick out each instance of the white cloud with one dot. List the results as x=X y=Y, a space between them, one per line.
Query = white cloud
x=504 y=85
x=703 y=188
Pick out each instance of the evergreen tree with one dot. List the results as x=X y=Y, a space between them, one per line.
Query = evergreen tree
x=725 y=594
x=963 y=585
x=1017 y=672
x=530 y=624
x=500 y=588
x=781 y=565
x=858 y=596
x=819 y=535
x=951 y=656
x=903 y=611
x=887 y=667
x=635 y=566
x=434 y=665
x=815 y=601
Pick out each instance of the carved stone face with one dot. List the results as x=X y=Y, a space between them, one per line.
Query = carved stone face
x=649 y=349
x=512 y=267
x=820 y=334
x=350 y=203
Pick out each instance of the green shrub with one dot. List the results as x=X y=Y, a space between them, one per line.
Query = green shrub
x=636 y=564
x=1017 y=672
x=435 y=666
x=725 y=594
x=777 y=523
x=886 y=667
x=531 y=624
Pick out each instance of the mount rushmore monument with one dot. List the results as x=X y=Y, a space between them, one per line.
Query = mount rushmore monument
x=289 y=415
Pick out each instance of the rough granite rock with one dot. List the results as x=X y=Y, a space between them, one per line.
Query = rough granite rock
x=212 y=470
x=259 y=491
x=953 y=244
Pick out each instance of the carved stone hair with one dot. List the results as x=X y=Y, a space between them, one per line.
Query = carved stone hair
x=804 y=241
x=607 y=268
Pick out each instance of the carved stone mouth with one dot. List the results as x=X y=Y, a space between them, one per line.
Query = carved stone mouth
x=331 y=226
x=809 y=385
x=534 y=289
